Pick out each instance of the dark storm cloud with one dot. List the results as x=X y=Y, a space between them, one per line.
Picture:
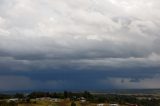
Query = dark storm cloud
x=83 y=43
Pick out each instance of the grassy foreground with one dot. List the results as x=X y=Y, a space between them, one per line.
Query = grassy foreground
x=49 y=103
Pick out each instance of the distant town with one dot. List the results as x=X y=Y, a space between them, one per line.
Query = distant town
x=85 y=98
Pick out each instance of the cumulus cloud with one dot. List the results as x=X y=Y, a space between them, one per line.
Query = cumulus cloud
x=107 y=36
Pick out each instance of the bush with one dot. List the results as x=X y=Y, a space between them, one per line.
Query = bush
x=73 y=104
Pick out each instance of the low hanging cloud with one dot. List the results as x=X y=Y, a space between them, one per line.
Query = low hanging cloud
x=148 y=83
x=10 y=82
x=112 y=38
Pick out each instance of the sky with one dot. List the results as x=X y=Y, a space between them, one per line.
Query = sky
x=79 y=44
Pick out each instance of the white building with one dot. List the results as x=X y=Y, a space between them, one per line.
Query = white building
x=82 y=99
x=55 y=100
x=100 y=104
x=13 y=99
x=113 y=105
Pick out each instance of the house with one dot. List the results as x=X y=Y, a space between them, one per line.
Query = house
x=113 y=105
x=13 y=99
x=43 y=98
x=55 y=100
x=82 y=99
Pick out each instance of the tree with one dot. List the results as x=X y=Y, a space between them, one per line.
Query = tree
x=19 y=95
x=101 y=99
x=73 y=104
x=65 y=94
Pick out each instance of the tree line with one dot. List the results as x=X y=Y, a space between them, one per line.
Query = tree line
x=94 y=98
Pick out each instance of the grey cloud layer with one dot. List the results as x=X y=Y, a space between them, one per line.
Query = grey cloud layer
x=81 y=35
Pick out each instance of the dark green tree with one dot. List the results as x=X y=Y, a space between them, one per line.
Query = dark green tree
x=19 y=95
x=73 y=104
x=101 y=99
x=65 y=94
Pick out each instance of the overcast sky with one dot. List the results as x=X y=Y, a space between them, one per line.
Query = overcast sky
x=79 y=44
